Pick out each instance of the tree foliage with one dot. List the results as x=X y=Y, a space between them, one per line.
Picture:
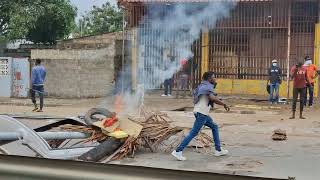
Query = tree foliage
x=56 y=23
x=16 y=17
x=26 y=18
x=105 y=19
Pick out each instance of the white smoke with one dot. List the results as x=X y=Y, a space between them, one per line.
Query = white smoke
x=165 y=36
x=174 y=31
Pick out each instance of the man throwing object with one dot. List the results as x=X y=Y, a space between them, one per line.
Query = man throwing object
x=203 y=99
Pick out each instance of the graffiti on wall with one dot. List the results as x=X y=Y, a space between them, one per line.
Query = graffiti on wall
x=21 y=77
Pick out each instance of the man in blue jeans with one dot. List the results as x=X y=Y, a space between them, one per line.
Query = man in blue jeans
x=38 y=76
x=204 y=97
x=275 y=74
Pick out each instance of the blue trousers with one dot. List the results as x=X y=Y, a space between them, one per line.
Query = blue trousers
x=309 y=89
x=40 y=91
x=274 y=88
x=200 y=121
x=168 y=86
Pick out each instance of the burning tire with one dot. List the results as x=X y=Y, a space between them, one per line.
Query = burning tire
x=90 y=119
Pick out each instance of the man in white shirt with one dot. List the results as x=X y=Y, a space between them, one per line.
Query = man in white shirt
x=204 y=97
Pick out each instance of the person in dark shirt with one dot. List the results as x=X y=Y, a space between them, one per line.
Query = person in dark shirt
x=300 y=81
x=168 y=83
x=275 y=73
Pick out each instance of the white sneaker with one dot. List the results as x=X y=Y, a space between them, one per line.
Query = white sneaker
x=178 y=155
x=169 y=95
x=223 y=152
x=163 y=95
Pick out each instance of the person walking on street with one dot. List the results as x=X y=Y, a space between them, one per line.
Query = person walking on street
x=203 y=97
x=299 y=74
x=38 y=76
x=275 y=74
x=312 y=74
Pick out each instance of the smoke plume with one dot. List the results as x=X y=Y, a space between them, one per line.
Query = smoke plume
x=167 y=33
x=165 y=36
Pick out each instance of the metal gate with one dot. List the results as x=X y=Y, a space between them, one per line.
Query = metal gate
x=240 y=46
x=243 y=45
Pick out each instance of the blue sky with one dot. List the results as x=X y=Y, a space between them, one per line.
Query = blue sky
x=85 y=5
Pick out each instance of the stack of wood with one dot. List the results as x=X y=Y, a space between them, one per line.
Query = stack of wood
x=156 y=129
x=96 y=134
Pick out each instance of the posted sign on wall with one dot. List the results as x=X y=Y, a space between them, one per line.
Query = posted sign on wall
x=5 y=76
x=21 y=77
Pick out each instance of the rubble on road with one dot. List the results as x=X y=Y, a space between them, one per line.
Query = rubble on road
x=279 y=135
x=152 y=131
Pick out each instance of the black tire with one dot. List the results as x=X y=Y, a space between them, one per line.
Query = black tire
x=89 y=119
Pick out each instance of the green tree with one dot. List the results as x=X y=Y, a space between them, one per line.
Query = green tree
x=56 y=23
x=100 y=20
x=28 y=19
x=16 y=17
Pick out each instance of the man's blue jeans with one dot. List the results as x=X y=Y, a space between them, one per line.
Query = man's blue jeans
x=310 y=89
x=168 y=86
x=201 y=120
x=40 y=91
x=274 y=88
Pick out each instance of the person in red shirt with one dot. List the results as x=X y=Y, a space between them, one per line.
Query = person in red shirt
x=312 y=74
x=300 y=81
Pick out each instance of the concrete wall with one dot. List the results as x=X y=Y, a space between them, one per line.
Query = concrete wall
x=89 y=42
x=78 y=73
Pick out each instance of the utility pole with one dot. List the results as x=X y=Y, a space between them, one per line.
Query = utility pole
x=288 y=51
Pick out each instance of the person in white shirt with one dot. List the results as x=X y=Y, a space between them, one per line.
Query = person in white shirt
x=204 y=97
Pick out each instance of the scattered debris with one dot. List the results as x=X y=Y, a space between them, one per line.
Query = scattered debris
x=244 y=164
x=104 y=149
x=279 y=135
x=153 y=131
x=283 y=101
x=247 y=112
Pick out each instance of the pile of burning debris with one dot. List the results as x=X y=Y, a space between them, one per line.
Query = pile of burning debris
x=121 y=137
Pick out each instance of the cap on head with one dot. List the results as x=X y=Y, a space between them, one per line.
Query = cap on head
x=307 y=58
x=274 y=61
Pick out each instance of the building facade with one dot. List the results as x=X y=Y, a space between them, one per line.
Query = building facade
x=239 y=48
